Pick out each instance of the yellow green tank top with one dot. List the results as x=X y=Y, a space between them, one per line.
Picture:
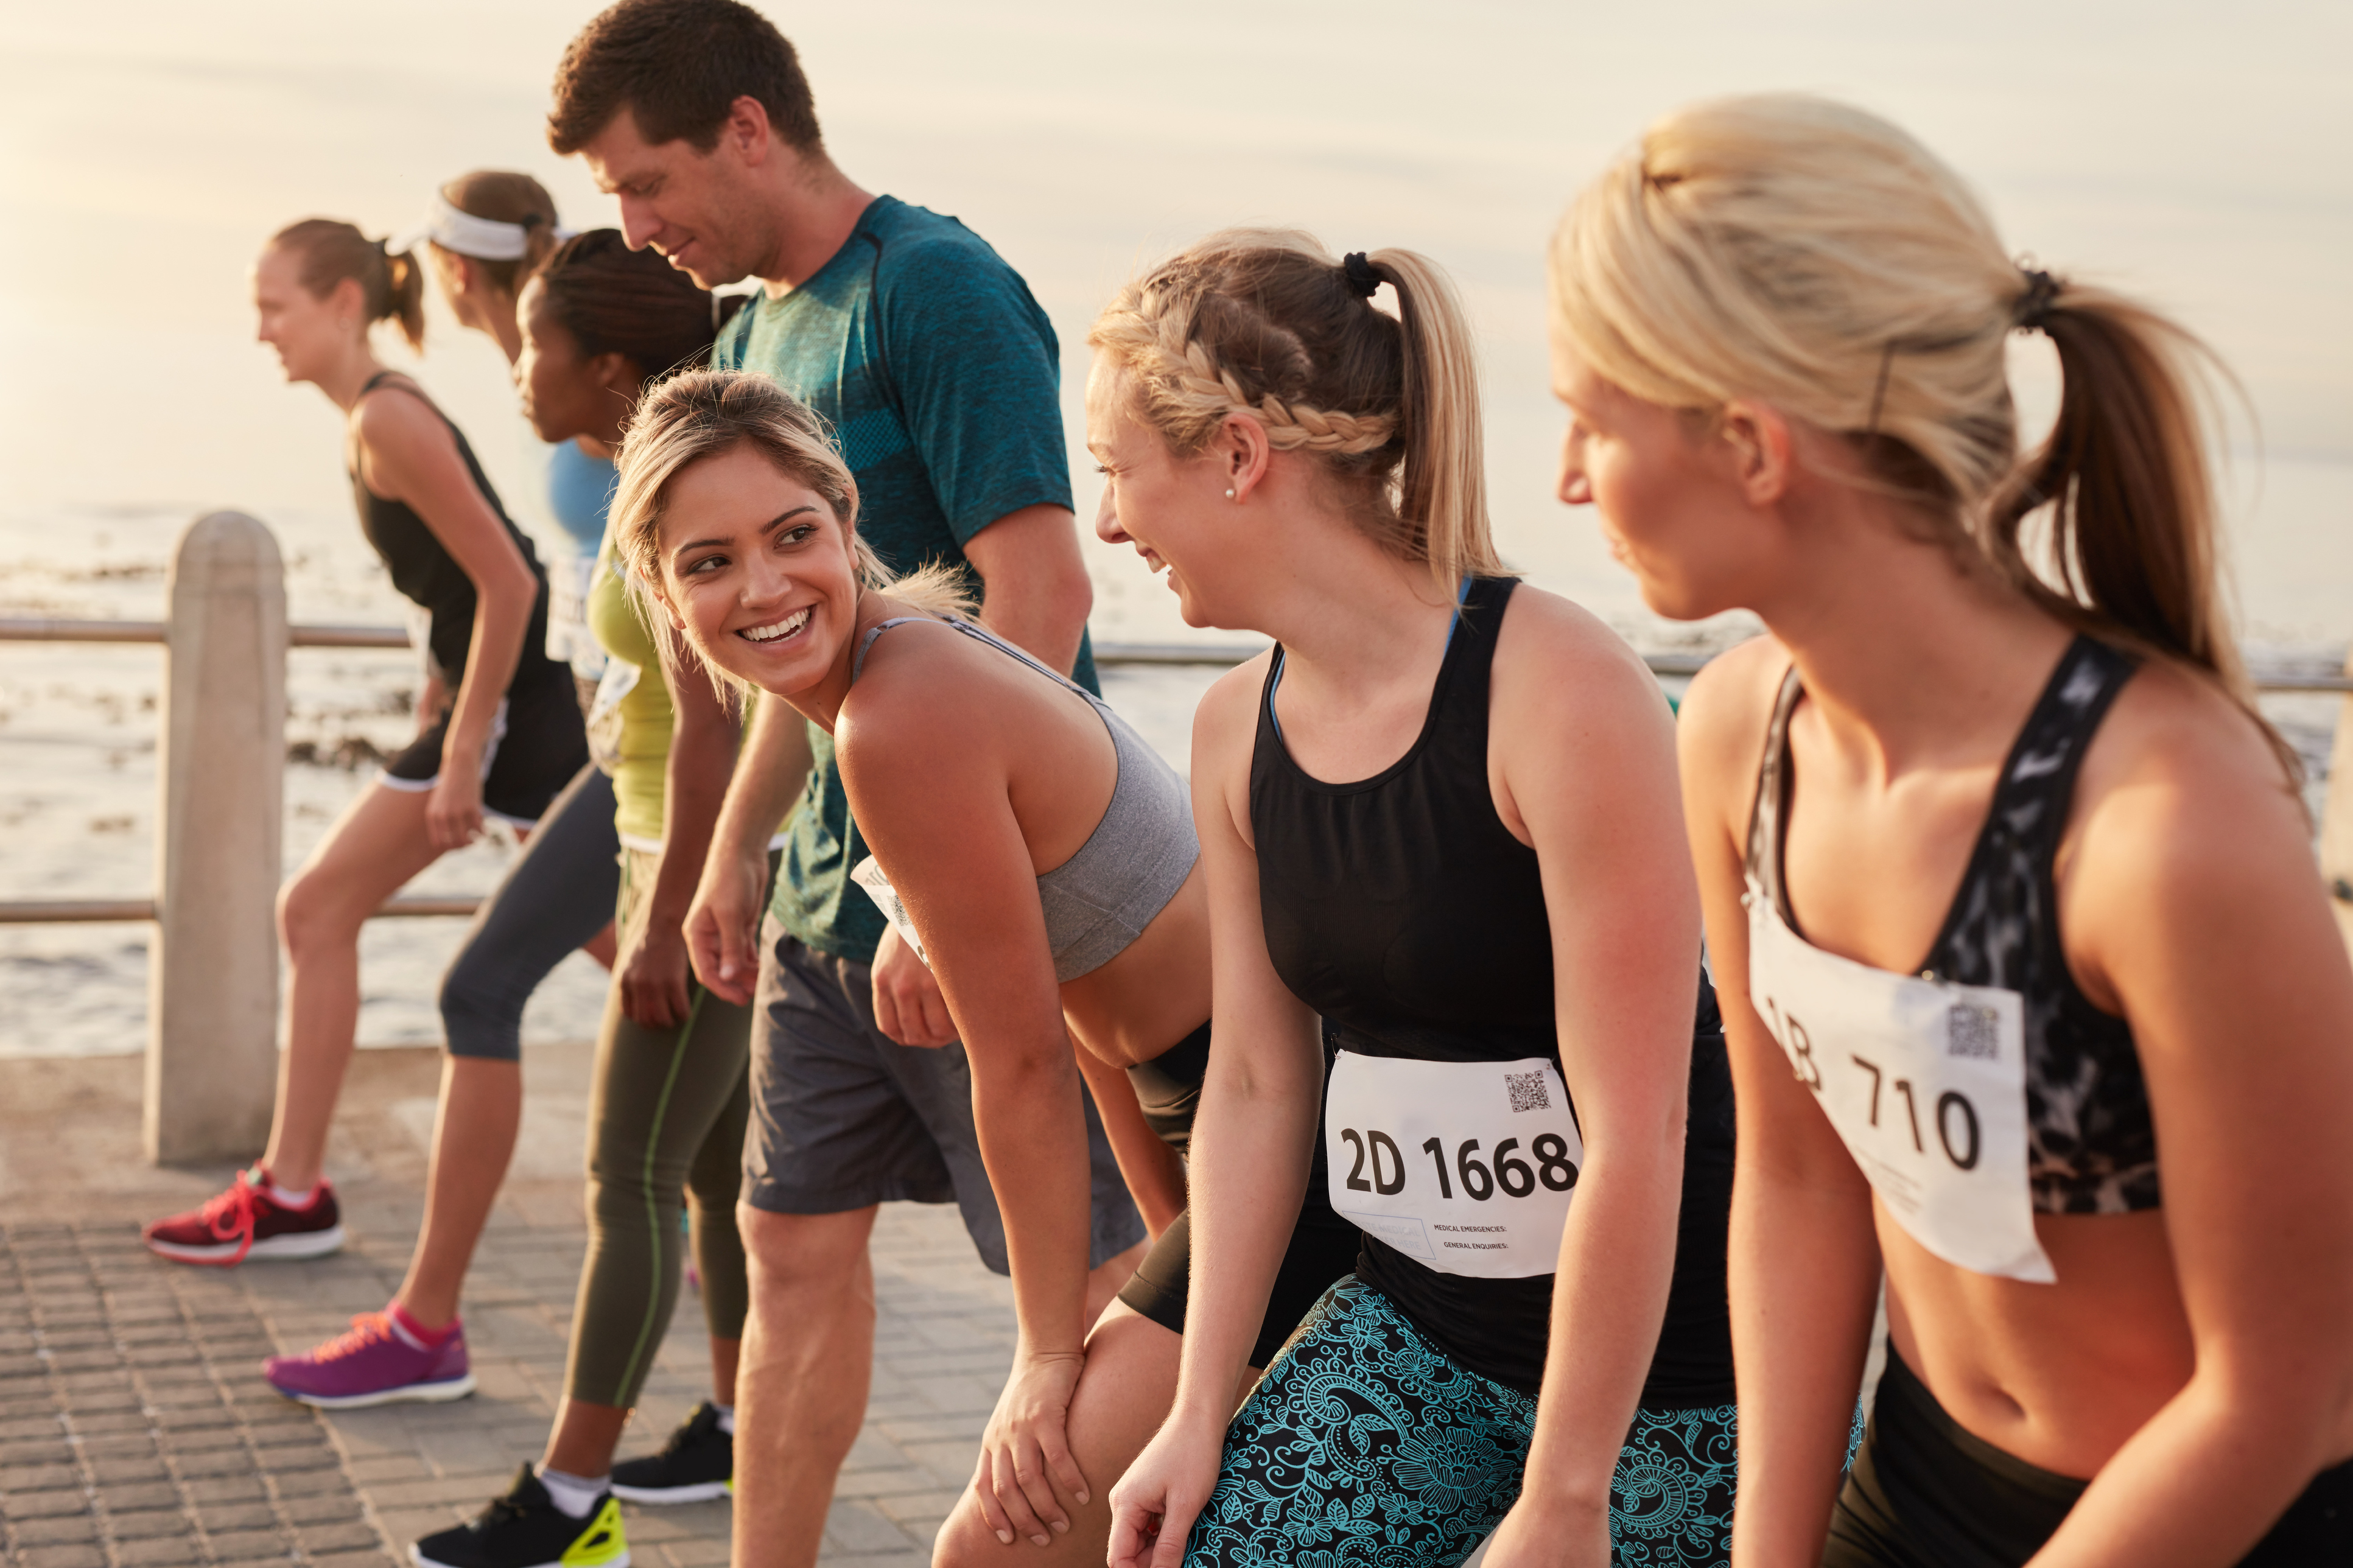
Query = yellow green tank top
x=630 y=724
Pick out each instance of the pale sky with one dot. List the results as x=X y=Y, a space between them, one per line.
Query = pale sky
x=2196 y=154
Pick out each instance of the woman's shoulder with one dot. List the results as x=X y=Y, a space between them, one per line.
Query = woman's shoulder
x=1558 y=662
x=1721 y=725
x=921 y=686
x=2177 y=759
x=394 y=418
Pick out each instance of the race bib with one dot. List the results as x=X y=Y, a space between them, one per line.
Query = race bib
x=868 y=874
x=620 y=678
x=1925 y=1081
x=1466 y=1167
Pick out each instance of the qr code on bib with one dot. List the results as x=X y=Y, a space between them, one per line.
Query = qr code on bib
x=1528 y=1091
x=1975 y=1032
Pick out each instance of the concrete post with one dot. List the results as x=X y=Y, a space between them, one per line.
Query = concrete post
x=212 y=1005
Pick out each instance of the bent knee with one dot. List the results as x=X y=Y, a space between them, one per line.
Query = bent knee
x=797 y=1251
x=312 y=911
x=966 y=1541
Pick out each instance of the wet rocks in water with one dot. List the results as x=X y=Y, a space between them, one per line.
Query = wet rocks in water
x=349 y=754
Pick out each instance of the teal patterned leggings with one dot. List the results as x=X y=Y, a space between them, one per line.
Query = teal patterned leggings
x=1366 y=1444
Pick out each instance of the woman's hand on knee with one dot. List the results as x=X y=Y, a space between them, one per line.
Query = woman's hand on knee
x=1154 y=1504
x=1025 y=1455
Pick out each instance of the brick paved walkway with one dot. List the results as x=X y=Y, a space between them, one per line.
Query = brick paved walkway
x=136 y=1428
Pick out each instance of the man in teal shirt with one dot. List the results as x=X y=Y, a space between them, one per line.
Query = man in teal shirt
x=939 y=373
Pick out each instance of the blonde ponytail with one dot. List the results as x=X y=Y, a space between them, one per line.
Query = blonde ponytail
x=1815 y=257
x=1266 y=323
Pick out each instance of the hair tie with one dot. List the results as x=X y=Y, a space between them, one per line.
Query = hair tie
x=1362 y=281
x=2031 y=311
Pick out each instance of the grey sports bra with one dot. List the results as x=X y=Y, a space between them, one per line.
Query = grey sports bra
x=1102 y=898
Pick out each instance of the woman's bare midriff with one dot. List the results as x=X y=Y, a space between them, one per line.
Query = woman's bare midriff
x=2058 y=1376
x=1156 y=992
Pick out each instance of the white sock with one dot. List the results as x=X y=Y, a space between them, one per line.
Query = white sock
x=576 y=1495
x=726 y=1417
x=286 y=1197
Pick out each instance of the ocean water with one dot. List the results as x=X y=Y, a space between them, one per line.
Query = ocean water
x=2190 y=153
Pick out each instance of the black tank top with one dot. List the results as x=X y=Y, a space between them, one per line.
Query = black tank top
x=1401 y=908
x=428 y=576
x=2091 y=1141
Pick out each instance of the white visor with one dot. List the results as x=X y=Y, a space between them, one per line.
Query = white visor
x=484 y=239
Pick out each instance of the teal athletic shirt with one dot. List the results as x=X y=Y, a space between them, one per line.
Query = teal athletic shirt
x=941 y=378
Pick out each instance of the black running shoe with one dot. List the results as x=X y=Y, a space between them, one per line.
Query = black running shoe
x=698 y=1463
x=525 y=1529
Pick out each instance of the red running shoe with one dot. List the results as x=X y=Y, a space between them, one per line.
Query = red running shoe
x=247 y=1222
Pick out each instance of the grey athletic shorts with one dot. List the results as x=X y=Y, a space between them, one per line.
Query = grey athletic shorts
x=844 y=1117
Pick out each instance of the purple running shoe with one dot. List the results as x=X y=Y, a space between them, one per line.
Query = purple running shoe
x=376 y=1362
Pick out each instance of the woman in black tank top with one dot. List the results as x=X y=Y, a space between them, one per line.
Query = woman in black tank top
x=1441 y=814
x=506 y=738
x=2036 y=1008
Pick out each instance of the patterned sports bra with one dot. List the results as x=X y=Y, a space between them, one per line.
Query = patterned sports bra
x=2091 y=1145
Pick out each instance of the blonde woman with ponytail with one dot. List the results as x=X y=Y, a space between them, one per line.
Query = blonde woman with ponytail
x=1441 y=814
x=2037 y=1008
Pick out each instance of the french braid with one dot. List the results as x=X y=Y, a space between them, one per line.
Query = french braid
x=1185 y=371
x=1265 y=323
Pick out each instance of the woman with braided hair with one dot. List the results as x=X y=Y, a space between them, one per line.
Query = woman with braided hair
x=1441 y=812
x=2038 y=1013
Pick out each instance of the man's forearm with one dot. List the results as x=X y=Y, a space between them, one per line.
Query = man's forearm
x=1038 y=590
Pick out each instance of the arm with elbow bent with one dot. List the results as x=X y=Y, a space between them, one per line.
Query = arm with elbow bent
x=1626 y=964
x=408 y=454
x=1253 y=1141
x=723 y=923
x=652 y=966
x=958 y=859
x=2192 y=893
x=1804 y=1268
x=1038 y=590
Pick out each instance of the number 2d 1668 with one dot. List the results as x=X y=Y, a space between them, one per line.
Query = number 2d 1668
x=1381 y=1168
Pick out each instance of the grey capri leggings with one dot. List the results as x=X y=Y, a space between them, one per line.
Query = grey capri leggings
x=558 y=893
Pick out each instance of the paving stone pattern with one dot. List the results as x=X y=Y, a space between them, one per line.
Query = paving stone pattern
x=134 y=1424
x=135 y=1428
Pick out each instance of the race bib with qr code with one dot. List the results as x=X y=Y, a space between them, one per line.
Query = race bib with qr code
x=1925 y=1083
x=1467 y=1167
x=868 y=874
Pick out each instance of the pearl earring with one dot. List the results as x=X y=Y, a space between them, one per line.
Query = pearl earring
x=1230 y=495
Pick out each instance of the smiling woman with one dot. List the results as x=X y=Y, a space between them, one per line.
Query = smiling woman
x=1040 y=857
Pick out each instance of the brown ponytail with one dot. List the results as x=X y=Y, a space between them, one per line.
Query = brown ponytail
x=391 y=287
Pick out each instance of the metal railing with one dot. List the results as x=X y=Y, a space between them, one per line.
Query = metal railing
x=221 y=757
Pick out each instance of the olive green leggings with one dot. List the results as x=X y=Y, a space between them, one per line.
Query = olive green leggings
x=665 y=1114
